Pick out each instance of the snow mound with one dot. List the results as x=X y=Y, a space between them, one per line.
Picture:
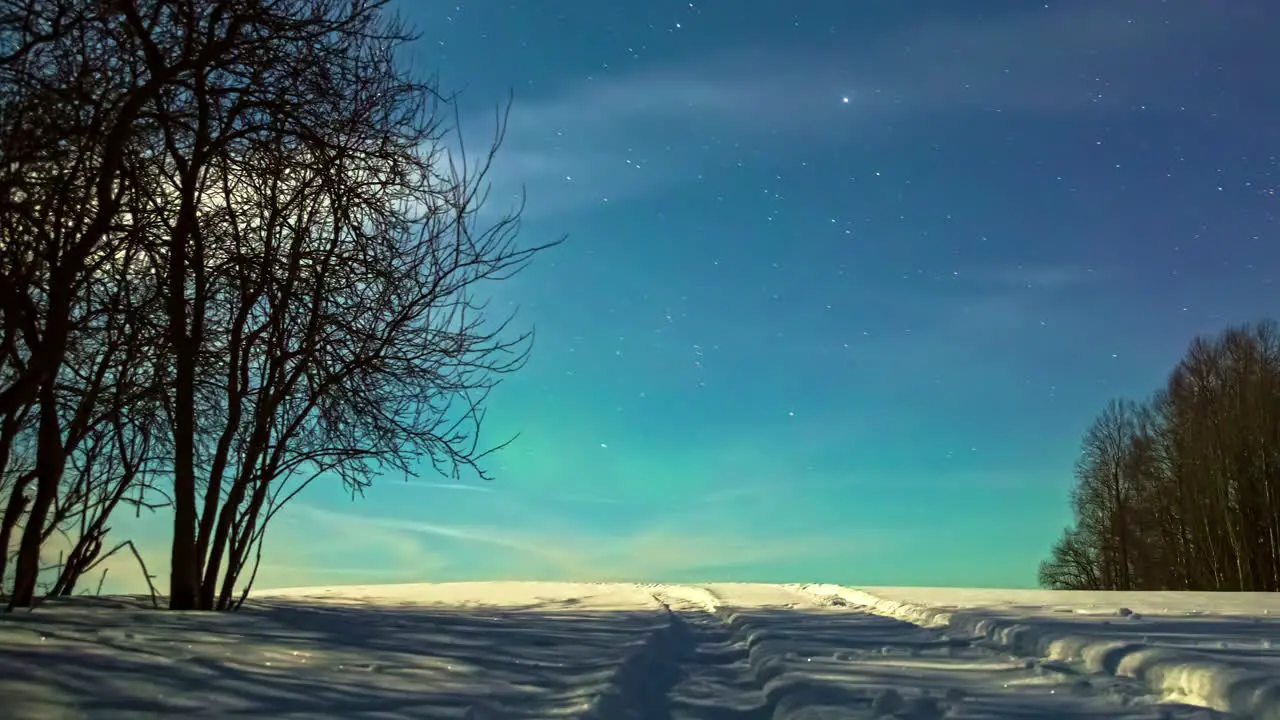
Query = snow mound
x=1223 y=683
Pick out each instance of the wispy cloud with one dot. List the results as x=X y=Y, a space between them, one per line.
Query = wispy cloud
x=507 y=490
x=1040 y=276
x=591 y=499
x=678 y=547
x=428 y=485
x=609 y=138
x=994 y=303
x=1067 y=57
x=479 y=534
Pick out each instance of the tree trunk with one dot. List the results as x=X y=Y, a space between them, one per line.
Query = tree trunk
x=13 y=510
x=49 y=464
x=184 y=572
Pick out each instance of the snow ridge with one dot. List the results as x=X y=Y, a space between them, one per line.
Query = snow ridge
x=733 y=666
x=1175 y=674
x=791 y=695
x=785 y=694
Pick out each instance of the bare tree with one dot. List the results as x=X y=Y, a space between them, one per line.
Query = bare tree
x=1184 y=491
x=74 y=95
x=1102 y=500
x=1072 y=565
x=236 y=256
x=320 y=250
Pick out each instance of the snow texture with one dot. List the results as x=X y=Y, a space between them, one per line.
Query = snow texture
x=1216 y=650
x=620 y=651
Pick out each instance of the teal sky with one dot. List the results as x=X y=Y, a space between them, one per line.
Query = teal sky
x=844 y=283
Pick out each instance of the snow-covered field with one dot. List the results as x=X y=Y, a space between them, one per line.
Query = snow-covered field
x=715 y=651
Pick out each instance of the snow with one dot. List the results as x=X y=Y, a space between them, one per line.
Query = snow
x=618 y=651
x=1217 y=650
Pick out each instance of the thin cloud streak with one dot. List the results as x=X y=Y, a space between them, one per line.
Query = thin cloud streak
x=656 y=552
x=1047 y=277
x=425 y=484
x=482 y=535
x=505 y=490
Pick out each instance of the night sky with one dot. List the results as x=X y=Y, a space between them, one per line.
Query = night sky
x=843 y=284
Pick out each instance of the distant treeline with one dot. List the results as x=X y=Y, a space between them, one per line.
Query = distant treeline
x=1182 y=491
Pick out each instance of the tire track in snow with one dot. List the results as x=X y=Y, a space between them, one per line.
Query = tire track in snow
x=1197 y=678
x=717 y=661
x=719 y=678
x=739 y=668
x=726 y=652
x=779 y=653
x=696 y=666
x=641 y=687
x=788 y=686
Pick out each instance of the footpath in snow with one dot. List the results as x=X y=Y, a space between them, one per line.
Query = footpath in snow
x=620 y=651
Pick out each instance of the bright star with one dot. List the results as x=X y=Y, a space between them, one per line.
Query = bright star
x=845 y=99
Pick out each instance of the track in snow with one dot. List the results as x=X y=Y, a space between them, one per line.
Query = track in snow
x=800 y=657
x=604 y=652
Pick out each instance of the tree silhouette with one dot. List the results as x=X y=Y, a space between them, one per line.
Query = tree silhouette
x=238 y=255
x=1183 y=491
